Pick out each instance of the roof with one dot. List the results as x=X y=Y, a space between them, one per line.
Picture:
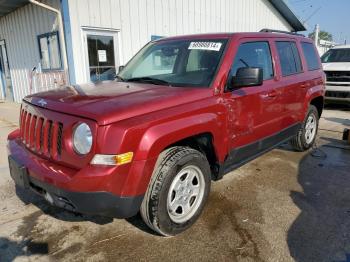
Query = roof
x=212 y=36
x=7 y=6
x=341 y=47
x=288 y=14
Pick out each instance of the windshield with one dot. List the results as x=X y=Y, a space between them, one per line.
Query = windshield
x=175 y=63
x=336 y=55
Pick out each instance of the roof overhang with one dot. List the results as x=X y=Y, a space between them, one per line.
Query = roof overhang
x=288 y=14
x=8 y=6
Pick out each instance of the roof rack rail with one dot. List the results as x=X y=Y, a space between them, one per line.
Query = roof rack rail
x=266 y=30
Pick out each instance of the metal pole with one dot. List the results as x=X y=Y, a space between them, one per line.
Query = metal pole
x=60 y=29
x=317 y=32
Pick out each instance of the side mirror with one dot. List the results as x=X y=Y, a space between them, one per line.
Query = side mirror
x=248 y=76
x=120 y=68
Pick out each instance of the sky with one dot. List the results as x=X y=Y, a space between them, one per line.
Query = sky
x=333 y=16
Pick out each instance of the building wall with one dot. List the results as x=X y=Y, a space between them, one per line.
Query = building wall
x=138 y=20
x=20 y=30
x=134 y=20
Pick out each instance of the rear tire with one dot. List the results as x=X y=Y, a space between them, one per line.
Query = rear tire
x=177 y=192
x=306 y=135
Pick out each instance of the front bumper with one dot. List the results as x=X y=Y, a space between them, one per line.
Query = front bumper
x=57 y=185
x=337 y=92
x=96 y=203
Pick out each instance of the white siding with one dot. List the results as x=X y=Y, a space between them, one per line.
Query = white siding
x=137 y=20
x=20 y=30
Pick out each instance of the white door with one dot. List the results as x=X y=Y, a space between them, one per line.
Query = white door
x=101 y=54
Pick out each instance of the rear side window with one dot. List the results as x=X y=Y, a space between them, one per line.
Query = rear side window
x=310 y=56
x=254 y=54
x=289 y=58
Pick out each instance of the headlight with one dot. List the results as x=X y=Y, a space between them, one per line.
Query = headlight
x=82 y=139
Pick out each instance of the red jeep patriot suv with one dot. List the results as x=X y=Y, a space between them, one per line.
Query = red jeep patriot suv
x=184 y=111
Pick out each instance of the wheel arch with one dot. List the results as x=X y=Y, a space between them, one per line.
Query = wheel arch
x=204 y=143
x=318 y=102
x=203 y=132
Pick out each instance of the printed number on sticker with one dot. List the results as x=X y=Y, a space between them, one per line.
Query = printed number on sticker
x=213 y=46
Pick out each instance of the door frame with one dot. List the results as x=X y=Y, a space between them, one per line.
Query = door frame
x=103 y=32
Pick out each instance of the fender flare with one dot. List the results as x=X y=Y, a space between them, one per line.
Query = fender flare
x=310 y=95
x=158 y=137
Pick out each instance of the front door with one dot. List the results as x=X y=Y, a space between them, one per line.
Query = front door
x=101 y=53
x=5 y=77
x=253 y=111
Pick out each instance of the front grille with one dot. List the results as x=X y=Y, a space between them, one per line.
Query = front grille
x=41 y=135
x=337 y=94
x=338 y=76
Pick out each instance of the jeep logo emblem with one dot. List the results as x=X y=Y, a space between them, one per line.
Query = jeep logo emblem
x=42 y=102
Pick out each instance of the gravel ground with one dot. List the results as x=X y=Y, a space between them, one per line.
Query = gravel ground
x=284 y=206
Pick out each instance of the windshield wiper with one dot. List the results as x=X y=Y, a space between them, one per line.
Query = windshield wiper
x=147 y=79
x=119 y=78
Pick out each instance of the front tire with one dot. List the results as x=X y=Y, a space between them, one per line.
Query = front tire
x=177 y=192
x=306 y=135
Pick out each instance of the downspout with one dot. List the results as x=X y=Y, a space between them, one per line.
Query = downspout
x=60 y=29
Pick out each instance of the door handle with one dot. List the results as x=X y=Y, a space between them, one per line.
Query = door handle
x=305 y=85
x=270 y=94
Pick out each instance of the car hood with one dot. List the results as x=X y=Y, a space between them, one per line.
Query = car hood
x=343 y=66
x=111 y=101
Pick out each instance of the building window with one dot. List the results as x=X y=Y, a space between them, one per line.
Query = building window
x=50 y=52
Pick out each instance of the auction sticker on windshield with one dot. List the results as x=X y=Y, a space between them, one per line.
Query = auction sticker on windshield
x=213 y=46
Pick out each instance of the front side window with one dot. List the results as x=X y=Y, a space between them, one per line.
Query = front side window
x=289 y=58
x=338 y=55
x=312 y=58
x=176 y=63
x=254 y=54
x=49 y=49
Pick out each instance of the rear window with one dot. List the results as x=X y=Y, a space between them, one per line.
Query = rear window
x=311 y=56
x=289 y=58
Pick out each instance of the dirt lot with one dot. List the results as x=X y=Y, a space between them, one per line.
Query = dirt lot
x=284 y=206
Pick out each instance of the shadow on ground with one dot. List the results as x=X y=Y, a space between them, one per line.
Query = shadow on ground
x=337 y=106
x=21 y=248
x=345 y=122
x=322 y=230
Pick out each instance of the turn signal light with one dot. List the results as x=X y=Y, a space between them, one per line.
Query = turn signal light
x=124 y=158
x=112 y=160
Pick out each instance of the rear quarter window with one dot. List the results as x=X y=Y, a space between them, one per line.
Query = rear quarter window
x=312 y=58
x=289 y=58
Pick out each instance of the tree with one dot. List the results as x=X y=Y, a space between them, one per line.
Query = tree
x=323 y=35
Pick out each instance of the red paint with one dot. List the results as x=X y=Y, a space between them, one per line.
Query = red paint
x=145 y=119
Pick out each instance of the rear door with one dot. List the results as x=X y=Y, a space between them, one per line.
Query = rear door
x=292 y=82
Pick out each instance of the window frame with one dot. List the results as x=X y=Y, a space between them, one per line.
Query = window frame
x=47 y=35
x=315 y=52
x=279 y=60
x=247 y=41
